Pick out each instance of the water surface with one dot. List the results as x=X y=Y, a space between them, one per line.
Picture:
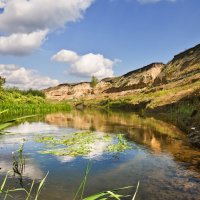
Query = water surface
x=161 y=159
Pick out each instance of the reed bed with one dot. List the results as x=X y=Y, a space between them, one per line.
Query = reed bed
x=26 y=108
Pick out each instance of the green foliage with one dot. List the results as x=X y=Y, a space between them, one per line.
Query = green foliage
x=29 y=92
x=16 y=96
x=94 y=82
x=6 y=124
x=2 y=82
x=31 y=101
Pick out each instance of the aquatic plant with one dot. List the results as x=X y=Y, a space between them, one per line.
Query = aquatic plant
x=18 y=168
x=19 y=163
x=120 y=146
x=81 y=188
x=110 y=194
x=7 y=192
x=113 y=194
x=81 y=143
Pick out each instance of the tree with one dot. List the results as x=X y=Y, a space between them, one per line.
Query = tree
x=2 y=81
x=94 y=81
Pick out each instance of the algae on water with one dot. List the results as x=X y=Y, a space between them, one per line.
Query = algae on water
x=83 y=144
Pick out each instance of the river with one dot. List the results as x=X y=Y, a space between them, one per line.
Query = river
x=160 y=157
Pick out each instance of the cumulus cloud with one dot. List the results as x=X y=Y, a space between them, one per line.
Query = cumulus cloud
x=25 y=78
x=153 y=1
x=29 y=17
x=86 y=65
x=21 y=43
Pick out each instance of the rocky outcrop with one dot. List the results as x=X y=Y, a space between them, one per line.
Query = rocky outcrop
x=183 y=65
x=68 y=91
x=137 y=79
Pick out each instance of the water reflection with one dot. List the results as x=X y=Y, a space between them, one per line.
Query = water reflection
x=154 y=134
x=32 y=170
x=164 y=163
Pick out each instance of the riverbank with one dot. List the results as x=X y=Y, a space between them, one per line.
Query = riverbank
x=184 y=113
x=28 y=102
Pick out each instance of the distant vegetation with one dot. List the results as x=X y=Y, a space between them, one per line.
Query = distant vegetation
x=2 y=81
x=94 y=82
x=32 y=92
x=27 y=101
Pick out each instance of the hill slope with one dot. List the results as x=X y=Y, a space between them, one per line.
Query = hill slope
x=155 y=85
x=172 y=89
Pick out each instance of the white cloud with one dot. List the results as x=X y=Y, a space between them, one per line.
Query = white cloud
x=28 y=16
x=21 y=43
x=66 y=56
x=153 y=1
x=25 y=78
x=31 y=16
x=86 y=65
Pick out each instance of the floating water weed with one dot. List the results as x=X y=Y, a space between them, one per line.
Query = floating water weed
x=120 y=146
x=82 y=144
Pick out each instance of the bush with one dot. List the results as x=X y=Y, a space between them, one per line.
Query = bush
x=94 y=82
x=2 y=81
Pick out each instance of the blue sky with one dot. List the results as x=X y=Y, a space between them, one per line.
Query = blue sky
x=101 y=37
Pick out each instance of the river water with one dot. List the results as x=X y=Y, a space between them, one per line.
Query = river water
x=160 y=159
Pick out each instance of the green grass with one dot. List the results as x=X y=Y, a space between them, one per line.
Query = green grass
x=6 y=124
x=34 y=108
x=10 y=192
x=109 y=194
x=31 y=101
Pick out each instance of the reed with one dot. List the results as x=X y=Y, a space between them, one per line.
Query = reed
x=19 y=108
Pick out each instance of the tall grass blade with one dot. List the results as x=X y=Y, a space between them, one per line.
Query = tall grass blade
x=4 y=182
x=31 y=188
x=106 y=193
x=96 y=196
x=136 y=191
x=83 y=183
x=41 y=186
x=116 y=196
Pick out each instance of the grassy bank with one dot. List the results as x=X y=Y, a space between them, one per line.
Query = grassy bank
x=31 y=101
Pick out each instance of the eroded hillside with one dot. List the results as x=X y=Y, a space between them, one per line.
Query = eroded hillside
x=155 y=85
